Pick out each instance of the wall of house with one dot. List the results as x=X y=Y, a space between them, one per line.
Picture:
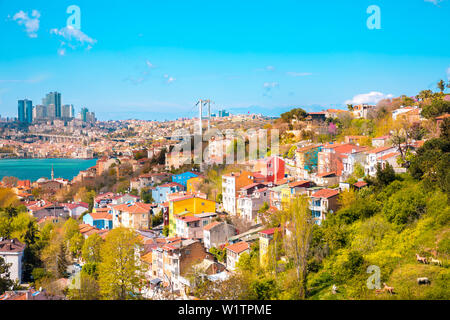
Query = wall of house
x=182 y=178
x=190 y=255
x=15 y=259
x=192 y=205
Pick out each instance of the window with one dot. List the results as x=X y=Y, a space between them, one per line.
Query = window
x=315 y=214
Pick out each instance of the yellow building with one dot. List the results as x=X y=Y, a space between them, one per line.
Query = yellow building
x=193 y=184
x=188 y=206
x=265 y=239
x=286 y=195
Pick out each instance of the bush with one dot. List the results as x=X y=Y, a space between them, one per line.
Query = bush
x=39 y=273
x=405 y=206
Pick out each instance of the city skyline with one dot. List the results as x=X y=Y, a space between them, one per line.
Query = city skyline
x=50 y=109
x=138 y=62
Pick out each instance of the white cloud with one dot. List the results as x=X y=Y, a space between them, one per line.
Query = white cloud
x=270 y=68
x=70 y=33
x=270 y=85
x=299 y=74
x=448 y=73
x=369 y=98
x=169 y=79
x=31 y=24
x=144 y=74
x=435 y=2
x=62 y=51
x=72 y=38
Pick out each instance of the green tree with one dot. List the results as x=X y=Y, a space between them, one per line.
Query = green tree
x=441 y=86
x=437 y=108
x=56 y=256
x=5 y=282
x=146 y=196
x=72 y=237
x=219 y=254
x=384 y=176
x=432 y=161
x=298 y=217
x=120 y=270
x=87 y=289
x=405 y=206
x=359 y=171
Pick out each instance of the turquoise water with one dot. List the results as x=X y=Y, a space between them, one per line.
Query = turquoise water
x=33 y=169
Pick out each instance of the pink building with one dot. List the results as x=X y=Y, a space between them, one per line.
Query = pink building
x=272 y=168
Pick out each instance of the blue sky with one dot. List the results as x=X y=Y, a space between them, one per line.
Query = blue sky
x=154 y=59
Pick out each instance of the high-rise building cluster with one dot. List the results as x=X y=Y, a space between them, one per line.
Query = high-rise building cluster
x=222 y=114
x=50 y=109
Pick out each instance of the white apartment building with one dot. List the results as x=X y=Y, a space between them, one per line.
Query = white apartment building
x=249 y=205
x=349 y=162
x=374 y=156
x=11 y=250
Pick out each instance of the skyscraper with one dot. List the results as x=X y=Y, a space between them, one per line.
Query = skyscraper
x=84 y=112
x=223 y=113
x=40 y=112
x=25 y=111
x=67 y=111
x=28 y=111
x=90 y=117
x=55 y=99
x=51 y=111
x=21 y=111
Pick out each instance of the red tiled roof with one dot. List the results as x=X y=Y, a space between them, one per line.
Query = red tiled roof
x=325 y=193
x=250 y=186
x=171 y=184
x=211 y=225
x=317 y=113
x=11 y=245
x=270 y=231
x=75 y=205
x=360 y=184
x=239 y=247
x=258 y=175
x=173 y=239
x=188 y=218
x=390 y=155
x=298 y=183
x=326 y=174
x=101 y=215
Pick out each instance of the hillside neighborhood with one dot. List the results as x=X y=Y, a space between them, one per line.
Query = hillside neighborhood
x=347 y=189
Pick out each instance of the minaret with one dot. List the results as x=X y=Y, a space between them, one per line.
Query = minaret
x=53 y=174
